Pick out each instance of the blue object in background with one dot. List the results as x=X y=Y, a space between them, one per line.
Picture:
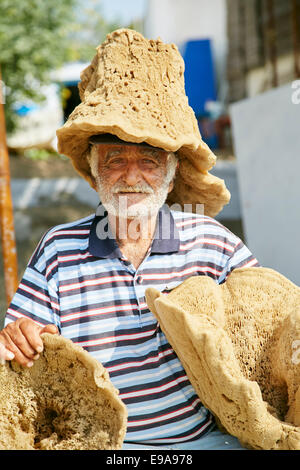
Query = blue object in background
x=24 y=109
x=199 y=74
x=200 y=84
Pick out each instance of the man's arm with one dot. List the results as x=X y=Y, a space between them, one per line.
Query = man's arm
x=33 y=310
x=241 y=257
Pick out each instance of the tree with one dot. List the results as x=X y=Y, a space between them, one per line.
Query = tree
x=33 y=42
x=37 y=37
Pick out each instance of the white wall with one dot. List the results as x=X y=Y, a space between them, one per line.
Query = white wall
x=267 y=142
x=181 y=20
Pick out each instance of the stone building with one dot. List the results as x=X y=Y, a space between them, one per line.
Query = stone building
x=263 y=45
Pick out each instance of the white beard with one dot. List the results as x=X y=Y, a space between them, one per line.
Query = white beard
x=118 y=205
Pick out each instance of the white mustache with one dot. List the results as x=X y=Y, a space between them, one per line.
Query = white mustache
x=133 y=189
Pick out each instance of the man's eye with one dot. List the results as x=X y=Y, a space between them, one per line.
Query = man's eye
x=149 y=162
x=116 y=161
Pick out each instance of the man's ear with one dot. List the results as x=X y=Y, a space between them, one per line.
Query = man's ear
x=91 y=178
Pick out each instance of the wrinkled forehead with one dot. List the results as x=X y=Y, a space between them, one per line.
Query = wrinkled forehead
x=105 y=144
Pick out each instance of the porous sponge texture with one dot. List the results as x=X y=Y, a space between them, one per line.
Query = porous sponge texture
x=237 y=342
x=65 y=401
x=134 y=89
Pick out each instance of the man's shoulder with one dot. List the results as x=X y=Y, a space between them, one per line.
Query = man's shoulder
x=200 y=223
x=76 y=230
x=76 y=227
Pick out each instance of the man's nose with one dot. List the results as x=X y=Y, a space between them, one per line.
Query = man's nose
x=132 y=174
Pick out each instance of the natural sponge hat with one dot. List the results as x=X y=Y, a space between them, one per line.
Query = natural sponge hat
x=65 y=401
x=134 y=90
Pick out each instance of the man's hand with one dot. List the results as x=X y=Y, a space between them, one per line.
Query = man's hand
x=21 y=340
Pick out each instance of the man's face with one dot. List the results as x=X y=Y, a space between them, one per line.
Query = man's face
x=132 y=180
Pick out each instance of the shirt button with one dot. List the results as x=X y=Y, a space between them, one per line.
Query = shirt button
x=139 y=279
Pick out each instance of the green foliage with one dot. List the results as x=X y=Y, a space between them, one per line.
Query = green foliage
x=33 y=41
x=37 y=37
x=39 y=154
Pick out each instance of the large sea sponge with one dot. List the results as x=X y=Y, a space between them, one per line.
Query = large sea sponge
x=65 y=401
x=239 y=343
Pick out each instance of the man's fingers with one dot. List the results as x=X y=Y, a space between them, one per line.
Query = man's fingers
x=18 y=333
x=16 y=348
x=52 y=329
x=23 y=339
x=31 y=331
x=5 y=354
x=49 y=329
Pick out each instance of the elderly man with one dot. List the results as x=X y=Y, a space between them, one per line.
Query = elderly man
x=87 y=279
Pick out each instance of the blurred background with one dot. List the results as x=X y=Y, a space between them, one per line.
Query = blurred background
x=242 y=76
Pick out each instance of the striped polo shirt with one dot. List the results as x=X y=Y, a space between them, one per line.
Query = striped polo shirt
x=78 y=279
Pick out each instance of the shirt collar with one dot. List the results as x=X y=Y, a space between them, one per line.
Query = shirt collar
x=103 y=244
